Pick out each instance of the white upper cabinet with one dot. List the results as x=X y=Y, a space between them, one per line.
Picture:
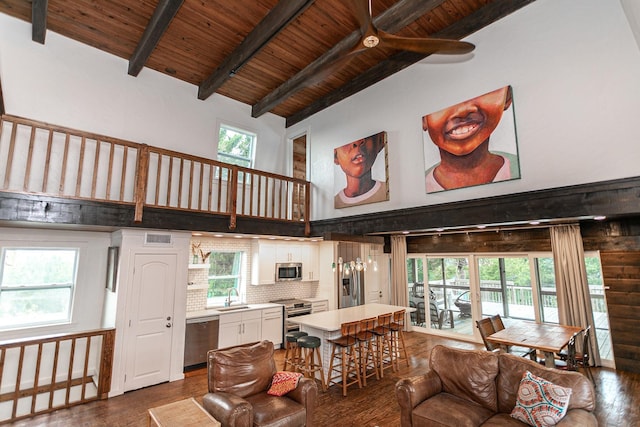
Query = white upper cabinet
x=266 y=254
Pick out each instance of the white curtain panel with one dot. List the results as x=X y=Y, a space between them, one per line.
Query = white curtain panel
x=399 y=288
x=574 y=301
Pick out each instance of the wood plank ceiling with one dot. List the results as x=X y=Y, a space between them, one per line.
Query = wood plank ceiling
x=269 y=54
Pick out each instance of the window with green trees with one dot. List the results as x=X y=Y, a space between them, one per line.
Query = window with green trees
x=236 y=146
x=36 y=286
x=225 y=272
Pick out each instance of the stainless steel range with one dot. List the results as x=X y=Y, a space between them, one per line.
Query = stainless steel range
x=293 y=307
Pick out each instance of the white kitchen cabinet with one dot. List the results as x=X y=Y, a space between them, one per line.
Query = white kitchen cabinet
x=272 y=324
x=318 y=306
x=265 y=255
x=309 y=258
x=240 y=328
x=263 y=263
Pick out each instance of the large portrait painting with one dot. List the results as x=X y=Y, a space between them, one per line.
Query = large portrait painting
x=361 y=172
x=471 y=143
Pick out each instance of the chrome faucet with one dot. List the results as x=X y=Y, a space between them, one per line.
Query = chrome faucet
x=227 y=302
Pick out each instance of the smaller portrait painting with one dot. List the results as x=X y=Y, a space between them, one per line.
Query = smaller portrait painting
x=361 y=172
x=471 y=143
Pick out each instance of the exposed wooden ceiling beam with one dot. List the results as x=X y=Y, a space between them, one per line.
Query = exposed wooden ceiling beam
x=39 y=20
x=393 y=19
x=158 y=24
x=462 y=28
x=277 y=19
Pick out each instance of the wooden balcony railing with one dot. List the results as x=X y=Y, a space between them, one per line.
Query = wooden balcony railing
x=39 y=158
x=40 y=375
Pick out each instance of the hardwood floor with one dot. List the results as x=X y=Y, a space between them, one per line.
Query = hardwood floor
x=373 y=405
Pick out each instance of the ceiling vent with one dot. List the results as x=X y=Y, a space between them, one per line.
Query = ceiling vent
x=157 y=239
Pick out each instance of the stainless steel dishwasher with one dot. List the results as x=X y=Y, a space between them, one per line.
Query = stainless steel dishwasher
x=201 y=335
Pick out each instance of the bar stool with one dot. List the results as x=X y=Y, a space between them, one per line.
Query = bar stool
x=397 y=336
x=310 y=347
x=292 y=354
x=344 y=348
x=367 y=355
x=386 y=357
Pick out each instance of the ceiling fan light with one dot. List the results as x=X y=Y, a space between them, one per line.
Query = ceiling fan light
x=370 y=41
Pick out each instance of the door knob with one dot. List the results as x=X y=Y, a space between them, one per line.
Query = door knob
x=168 y=325
x=168 y=317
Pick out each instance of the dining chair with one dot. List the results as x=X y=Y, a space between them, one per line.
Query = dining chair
x=486 y=328
x=568 y=363
x=582 y=358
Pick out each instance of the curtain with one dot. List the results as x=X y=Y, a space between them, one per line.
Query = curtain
x=399 y=289
x=574 y=301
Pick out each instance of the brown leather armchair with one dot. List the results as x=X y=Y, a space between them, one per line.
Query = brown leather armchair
x=239 y=378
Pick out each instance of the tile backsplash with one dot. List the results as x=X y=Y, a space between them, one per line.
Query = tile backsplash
x=197 y=292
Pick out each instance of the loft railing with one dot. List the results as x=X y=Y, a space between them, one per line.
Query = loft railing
x=40 y=375
x=39 y=158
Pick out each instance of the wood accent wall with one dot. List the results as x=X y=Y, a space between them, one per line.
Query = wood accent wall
x=619 y=246
x=488 y=241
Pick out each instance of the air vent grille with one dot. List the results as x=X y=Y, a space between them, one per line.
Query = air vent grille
x=157 y=239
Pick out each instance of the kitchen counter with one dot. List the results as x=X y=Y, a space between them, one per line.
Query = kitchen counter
x=215 y=312
x=331 y=320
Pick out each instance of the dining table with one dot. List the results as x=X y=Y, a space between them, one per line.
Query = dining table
x=545 y=337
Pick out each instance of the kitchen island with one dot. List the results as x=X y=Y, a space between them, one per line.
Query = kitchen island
x=326 y=325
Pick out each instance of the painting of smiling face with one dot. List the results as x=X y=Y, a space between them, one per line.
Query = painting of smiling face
x=461 y=128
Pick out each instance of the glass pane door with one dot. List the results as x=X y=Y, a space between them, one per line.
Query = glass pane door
x=448 y=297
x=505 y=287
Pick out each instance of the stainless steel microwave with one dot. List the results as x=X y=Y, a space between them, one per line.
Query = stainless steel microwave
x=289 y=271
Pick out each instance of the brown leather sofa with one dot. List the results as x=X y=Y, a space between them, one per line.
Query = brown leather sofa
x=479 y=388
x=239 y=378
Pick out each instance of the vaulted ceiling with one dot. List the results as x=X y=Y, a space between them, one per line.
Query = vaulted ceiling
x=277 y=56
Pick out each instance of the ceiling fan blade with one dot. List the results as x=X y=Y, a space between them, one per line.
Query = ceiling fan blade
x=336 y=64
x=425 y=46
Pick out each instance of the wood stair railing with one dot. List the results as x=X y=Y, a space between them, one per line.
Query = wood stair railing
x=39 y=375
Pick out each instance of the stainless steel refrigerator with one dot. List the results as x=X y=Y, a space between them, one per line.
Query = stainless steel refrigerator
x=350 y=280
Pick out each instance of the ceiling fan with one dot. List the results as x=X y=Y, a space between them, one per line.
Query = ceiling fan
x=373 y=37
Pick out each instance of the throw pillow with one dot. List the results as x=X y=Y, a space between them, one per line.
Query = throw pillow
x=283 y=382
x=540 y=403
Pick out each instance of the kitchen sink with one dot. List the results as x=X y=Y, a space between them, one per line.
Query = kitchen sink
x=233 y=307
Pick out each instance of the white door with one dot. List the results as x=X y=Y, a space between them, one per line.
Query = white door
x=151 y=320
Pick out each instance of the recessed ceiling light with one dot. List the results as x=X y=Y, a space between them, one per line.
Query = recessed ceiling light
x=405 y=232
x=599 y=217
x=534 y=222
x=440 y=229
x=217 y=235
x=237 y=236
x=481 y=226
x=196 y=234
x=272 y=238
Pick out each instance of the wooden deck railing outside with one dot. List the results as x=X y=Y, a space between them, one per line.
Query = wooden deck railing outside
x=40 y=375
x=39 y=158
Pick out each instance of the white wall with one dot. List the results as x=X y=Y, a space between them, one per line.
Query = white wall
x=574 y=71
x=66 y=83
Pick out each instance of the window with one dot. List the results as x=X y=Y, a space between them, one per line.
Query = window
x=236 y=146
x=36 y=286
x=224 y=274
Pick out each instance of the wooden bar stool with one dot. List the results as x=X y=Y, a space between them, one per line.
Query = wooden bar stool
x=311 y=358
x=292 y=354
x=367 y=355
x=386 y=358
x=397 y=335
x=344 y=348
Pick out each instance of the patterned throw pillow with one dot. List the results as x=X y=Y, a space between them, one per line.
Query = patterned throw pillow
x=540 y=403
x=283 y=382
